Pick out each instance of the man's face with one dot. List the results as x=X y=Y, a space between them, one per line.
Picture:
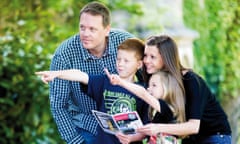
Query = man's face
x=92 y=32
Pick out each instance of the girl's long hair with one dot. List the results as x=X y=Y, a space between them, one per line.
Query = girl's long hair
x=172 y=95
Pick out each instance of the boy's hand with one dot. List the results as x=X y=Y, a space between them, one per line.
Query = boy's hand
x=124 y=139
x=114 y=79
x=46 y=76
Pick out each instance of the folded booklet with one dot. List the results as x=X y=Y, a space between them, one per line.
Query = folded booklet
x=124 y=122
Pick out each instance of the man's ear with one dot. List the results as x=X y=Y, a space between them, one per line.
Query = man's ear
x=107 y=30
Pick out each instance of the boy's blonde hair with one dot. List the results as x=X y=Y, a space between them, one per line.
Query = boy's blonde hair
x=135 y=45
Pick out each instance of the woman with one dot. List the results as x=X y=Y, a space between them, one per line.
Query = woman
x=206 y=122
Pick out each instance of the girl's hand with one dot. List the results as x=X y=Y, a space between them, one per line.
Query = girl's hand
x=114 y=78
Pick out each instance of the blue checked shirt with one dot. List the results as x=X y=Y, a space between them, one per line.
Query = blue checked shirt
x=70 y=106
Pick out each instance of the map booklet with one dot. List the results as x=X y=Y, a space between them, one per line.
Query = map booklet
x=124 y=122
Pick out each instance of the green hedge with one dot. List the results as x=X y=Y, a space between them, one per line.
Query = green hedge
x=30 y=31
x=29 y=35
x=217 y=50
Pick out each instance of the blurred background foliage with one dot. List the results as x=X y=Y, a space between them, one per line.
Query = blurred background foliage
x=30 y=31
x=217 y=51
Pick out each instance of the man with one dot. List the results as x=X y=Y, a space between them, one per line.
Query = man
x=93 y=49
x=110 y=98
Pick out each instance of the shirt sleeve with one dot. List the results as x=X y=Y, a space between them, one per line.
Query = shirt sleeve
x=166 y=112
x=95 y=87
x=195 y=98
x=142 y=109
x=59 y=97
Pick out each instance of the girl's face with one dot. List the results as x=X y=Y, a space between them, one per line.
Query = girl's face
x=155 y=87
x=152 y=59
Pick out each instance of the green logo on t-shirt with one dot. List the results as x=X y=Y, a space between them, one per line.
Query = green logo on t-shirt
x=117 y=102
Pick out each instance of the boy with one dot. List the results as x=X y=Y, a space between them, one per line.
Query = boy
x=111 y=98
x=91 y=50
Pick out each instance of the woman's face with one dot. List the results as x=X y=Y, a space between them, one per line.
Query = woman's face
x=152 y=59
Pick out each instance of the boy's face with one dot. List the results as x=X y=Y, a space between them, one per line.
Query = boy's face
x=127 y=63
x=155 y=87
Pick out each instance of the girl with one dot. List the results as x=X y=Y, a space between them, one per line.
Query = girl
x=164 y=96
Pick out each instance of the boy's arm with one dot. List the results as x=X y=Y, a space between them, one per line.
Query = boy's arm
x=72 y=75
x=135 y=89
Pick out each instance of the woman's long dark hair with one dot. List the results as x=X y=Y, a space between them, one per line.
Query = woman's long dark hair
x=170 y=56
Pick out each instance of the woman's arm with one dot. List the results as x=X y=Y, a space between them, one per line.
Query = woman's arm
x=126 y=139
x=180 y=129
x=135 y=89
x=72 y=75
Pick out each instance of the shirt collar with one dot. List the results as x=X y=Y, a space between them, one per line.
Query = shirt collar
x=86 y=55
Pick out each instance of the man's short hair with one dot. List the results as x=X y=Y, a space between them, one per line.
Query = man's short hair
x=96 y=8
